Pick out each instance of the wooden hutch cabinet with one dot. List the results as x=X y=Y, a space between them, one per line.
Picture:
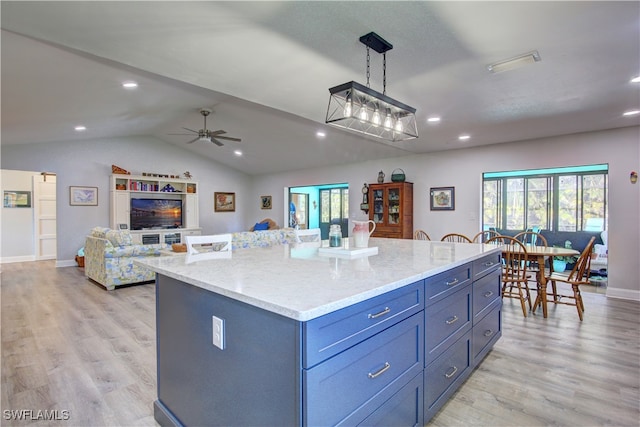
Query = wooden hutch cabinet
x=391 y=208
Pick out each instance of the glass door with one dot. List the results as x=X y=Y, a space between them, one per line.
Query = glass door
x=393 y=213
x=378 y=206
x=334 y=209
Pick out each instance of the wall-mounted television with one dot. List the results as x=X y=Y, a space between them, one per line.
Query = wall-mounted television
x=155 y=213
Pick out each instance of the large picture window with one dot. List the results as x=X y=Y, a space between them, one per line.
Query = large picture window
x=558 y=199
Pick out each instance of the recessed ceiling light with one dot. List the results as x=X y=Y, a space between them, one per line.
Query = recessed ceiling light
x=464 y=137
x=80 y=128
x=433 y=119
x=635 y=80
x=238 y=153
x=631 y=113
x=129 y=85
x=320 y=134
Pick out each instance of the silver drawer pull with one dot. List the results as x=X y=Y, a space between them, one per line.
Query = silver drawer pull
x=488 y=333
x=488 y=294
x=452 y=373
x=454 y=319
x=382 y=313
x=380 y=372
x=454 y=282
x=488 y=264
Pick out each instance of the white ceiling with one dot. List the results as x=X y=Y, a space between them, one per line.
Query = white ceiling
x=265 y=69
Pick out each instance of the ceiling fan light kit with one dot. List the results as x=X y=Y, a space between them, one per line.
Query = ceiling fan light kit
x=359 y=108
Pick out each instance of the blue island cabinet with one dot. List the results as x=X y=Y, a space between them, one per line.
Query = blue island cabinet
x=391 y=360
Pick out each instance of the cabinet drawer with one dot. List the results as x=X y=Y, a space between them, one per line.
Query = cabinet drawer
x=487 y=331
x=442 y=377
x=382 y=364
x=443 y=284
x=446 y=321
x=486 y=264
x=405 y=408
x=335 y=332
x=485 y=291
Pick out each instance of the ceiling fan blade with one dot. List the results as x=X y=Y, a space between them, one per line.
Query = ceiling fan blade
x=180 y=134
x=193 y=140
x=191 y=130
x=217 y=132
x=218 y=143
x=228 y=138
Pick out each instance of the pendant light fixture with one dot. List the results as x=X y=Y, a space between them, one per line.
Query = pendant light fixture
x=359 y=108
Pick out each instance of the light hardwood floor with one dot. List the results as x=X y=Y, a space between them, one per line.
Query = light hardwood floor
x=69 y=345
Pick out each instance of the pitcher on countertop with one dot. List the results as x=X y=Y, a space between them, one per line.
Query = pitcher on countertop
x=361 y=233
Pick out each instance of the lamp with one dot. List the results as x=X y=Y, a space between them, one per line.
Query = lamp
x=359 y=108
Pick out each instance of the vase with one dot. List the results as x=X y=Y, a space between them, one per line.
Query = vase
x=559 y=265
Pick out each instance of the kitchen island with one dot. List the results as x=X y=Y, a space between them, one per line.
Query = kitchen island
x=287 y=336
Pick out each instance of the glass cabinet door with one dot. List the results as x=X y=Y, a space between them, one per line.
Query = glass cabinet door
x=394 y=206
x=378 y=206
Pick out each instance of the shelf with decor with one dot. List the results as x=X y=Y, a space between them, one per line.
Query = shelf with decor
x=152 y=207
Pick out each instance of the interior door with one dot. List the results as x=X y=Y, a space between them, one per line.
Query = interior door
x=300 y=205
x=334 y=209
x=44 y=203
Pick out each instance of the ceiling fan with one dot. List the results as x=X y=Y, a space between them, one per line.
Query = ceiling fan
x=207 y=135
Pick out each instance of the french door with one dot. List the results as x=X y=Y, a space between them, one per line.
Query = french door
x=334 y=209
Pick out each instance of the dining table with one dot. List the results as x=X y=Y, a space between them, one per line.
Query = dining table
x=538 y=254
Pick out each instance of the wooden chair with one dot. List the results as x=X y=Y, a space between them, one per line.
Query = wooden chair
x=534 y=239
x=578 y=276
x=484 y=236
x=455 y=237
x=420 y=235
x=515 y=277
x=208 y=247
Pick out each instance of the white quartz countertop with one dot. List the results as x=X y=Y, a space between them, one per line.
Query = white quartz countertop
x=297 y=282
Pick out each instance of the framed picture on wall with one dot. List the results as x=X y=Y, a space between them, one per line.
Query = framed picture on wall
x=16 y=199
x=83 y=196
x=224 y=202
x=265 y=202
x=442 y=198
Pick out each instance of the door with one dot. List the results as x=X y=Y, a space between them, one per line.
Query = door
x=300 y=210
x=334 y=209
x=44 y=203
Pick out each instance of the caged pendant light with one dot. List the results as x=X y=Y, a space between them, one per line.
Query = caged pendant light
x=359 y=108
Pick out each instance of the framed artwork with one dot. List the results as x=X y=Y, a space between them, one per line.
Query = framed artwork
x=265 y=202
x=16 y=199
x=443 y=198
x=224 y=202
x=83 y=196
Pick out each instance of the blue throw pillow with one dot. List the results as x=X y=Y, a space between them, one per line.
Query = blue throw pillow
x=261 y=226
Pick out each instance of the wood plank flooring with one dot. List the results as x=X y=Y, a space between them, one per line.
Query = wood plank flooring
x=69 y=345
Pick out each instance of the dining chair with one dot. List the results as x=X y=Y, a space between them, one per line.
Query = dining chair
x=420 y=235
x=484 y=236
x=455 y=237
x=208 y=247
x=579 y=275
x=515 y=277
x=533 y=238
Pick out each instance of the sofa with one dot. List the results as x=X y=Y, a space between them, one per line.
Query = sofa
x=262 y=238
x=109 y=255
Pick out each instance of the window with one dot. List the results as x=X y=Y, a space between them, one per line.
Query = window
x=559 y=199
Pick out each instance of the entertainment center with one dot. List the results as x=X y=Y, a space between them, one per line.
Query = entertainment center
x=155 y=209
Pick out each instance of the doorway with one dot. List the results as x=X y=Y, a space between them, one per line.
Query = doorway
x=323 y=205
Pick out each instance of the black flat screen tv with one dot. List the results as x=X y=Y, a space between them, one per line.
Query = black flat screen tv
x=155 y=213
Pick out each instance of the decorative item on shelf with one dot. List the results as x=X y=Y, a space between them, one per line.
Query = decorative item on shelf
x=121 y=187
x=168 y=189
x=119 y=170
x=364 y=206
x=361 y=109
x=398 y=175
x=380 y=177
x=191 y=189
x=187 y=175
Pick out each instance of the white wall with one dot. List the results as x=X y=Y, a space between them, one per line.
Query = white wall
x=16 y=224
x=88 y=163
x=463 y=170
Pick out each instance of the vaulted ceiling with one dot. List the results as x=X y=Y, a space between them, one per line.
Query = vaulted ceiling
x=264 y=68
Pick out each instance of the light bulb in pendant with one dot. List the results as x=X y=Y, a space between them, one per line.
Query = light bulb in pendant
x=376 y=118
x=398 y=127
x=388 y=121
x=348 y=107
x=363 y=114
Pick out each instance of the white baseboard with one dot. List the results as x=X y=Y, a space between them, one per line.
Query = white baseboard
x=66 y=263
x=26 y=258
x=629 y=294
